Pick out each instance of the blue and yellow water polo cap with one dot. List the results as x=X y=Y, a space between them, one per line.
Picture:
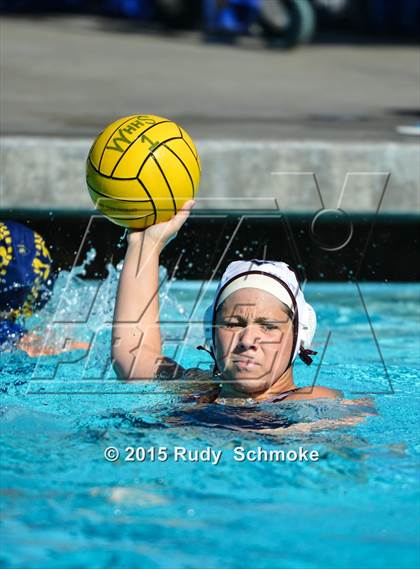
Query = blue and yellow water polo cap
x=26 y=276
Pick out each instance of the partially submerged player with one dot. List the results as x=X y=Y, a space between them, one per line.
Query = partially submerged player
x=26 y=284
x=258 y=323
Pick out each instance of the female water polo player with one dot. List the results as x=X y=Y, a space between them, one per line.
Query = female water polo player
x=257 y=325
x=26 y=283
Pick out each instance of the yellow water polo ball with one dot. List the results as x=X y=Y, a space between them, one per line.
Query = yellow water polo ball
x=141 y=170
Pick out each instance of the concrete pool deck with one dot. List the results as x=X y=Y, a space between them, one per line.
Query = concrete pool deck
x=329 y=110
x=48 y=173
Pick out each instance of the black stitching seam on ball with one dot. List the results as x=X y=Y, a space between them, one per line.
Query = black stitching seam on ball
x=119 y=199
x=151 y=153
x=151 y=200
x=192 y=151
x=195 y=157
x=167 y=183
x=106 y=175
x=186 y=169
x=110 y=136
x=195 y=154
x=132 y=218
x=133 y=141
x=142 y=185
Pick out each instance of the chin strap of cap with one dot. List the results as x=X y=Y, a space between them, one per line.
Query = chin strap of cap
x=305 y=355
x=206 y=350
x=211 y=352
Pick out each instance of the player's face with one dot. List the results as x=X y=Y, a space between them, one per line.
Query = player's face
x=253 y=340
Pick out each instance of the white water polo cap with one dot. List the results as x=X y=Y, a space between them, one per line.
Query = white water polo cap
x=278 y=279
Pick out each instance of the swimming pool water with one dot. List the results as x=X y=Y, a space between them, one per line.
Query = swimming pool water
x=64 y=505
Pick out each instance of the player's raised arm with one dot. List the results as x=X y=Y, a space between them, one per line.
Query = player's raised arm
x=136 y=339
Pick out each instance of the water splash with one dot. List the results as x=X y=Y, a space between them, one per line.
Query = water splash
x=80 y=307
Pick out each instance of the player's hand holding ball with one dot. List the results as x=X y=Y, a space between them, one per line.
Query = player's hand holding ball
x=161 y=234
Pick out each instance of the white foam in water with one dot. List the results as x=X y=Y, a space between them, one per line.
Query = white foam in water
x=81 y=310
x=79 y=307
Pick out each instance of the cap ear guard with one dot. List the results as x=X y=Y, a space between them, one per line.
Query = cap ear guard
x=308 y=327
x=208 y=326
x=208 y=335
x=306 y=334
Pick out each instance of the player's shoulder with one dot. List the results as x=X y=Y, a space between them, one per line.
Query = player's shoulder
x=201 y=385
x=169 y=369
x=316 y=392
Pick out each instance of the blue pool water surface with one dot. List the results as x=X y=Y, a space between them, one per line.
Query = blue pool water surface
x=64 y=505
